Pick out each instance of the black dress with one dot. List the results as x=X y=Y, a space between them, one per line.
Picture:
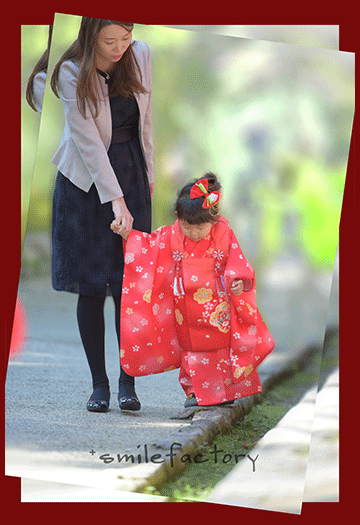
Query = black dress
x=87 y=256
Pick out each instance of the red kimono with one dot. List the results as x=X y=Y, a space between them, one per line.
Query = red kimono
x=178 y=311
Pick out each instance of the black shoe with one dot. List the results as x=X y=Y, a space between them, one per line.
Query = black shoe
x=190 y=401
x=129 y=403
x=99 y=400
x=127 y=397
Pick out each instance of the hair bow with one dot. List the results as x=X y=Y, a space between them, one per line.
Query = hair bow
x=200 y=189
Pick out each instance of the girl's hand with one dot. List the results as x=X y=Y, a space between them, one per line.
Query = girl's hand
x=123 y=221
x=237 y=286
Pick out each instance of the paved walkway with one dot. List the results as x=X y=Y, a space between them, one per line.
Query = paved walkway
x=52 y=441
x=275 y=480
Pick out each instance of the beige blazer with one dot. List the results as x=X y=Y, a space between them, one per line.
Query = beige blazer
x=82 y=155
x=39 y=88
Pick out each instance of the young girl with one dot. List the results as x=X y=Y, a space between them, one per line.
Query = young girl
x=189 y=302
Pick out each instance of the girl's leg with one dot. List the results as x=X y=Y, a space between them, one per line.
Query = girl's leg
x=90 y=316
x=127 y=397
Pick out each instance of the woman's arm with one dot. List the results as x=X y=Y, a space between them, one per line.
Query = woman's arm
x=85 y=136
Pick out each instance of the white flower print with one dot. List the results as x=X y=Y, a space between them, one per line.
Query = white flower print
x=160 y=269
x=156 y=309
x=177 y=256
x=218 y=254
x=252 y=330
x=205 y=361
x=161 y=245
x=168 y=311
x=205 y=384
x=192 y=372
x=144 y=322
x=236 y=335
x=237 y=395
x=125 y=290
x=142 y=368
x=136 y=348
x=247 y=383
x=161 y=296
x=144 y=250
x=218 y=267
x=129 y=258
x=234 y=246
x=194 y=278
x=139 y=268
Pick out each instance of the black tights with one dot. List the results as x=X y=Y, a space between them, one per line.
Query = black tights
x=90 y=317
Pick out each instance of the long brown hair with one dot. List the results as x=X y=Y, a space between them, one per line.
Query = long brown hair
x=41 y=65
x=126 y=76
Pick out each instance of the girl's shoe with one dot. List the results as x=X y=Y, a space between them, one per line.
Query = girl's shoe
x=190 y=401
x=99 y=400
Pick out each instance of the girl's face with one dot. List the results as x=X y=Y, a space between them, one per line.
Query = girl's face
x=195 y=232
x=111 y=43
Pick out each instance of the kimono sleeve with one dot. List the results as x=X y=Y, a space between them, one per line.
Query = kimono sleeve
x=237 y=267
x=148 y=336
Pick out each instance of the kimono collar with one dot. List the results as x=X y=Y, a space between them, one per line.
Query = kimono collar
x=220 y=228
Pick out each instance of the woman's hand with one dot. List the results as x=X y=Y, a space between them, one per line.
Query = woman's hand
x=237 y=286
x=123 y=220
x=152 y=189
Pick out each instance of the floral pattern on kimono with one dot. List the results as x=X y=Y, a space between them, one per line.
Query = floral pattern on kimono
x=178 y=312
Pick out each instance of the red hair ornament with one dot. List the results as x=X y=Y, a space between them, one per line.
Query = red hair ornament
x=201 y=189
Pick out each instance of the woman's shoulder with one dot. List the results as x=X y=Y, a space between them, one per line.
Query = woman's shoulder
x=40 y=76
x=140 y=47
x=69 y=68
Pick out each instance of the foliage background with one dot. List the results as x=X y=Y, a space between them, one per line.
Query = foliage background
x=272 y=119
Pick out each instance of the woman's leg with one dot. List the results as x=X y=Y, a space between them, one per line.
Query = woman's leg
x=127 y=396
x=90 y=316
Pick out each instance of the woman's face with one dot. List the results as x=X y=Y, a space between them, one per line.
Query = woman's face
x=195 y=232
x=111 y=43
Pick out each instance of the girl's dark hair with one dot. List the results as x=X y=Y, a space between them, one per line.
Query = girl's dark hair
x=126 y=76
x=41 y=65
x=191 y=210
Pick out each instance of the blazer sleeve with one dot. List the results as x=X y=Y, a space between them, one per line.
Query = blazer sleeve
x=85 y=135
x=147 y=133
x=39 y=89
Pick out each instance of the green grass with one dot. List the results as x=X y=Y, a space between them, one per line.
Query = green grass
x=198 y=479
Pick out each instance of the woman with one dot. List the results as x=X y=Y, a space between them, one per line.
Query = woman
x=36 y=84
x=105 y=173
